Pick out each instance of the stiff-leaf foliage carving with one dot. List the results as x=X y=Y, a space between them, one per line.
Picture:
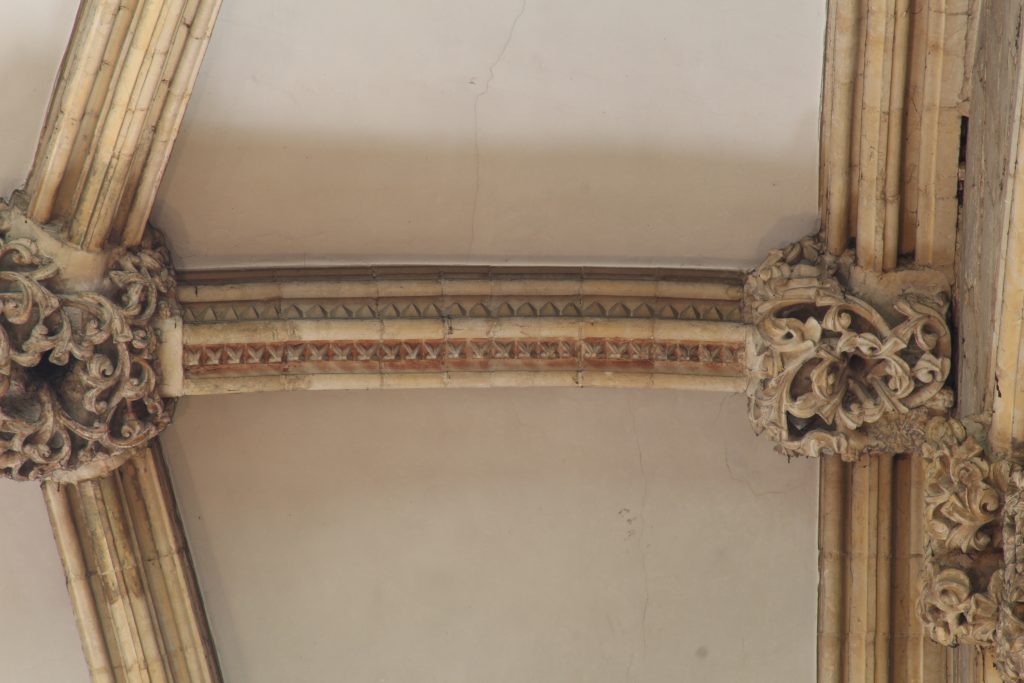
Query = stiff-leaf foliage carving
x=954 y=610
x=964 y=491
x=78 y=376
x=1009 y=642
x=972 y=589
x=827 y=368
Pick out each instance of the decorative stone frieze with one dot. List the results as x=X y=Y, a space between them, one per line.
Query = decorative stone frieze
x=490 y=307
x=457 y=327
x=78 y=373
x=427 y=354
x=838 y=371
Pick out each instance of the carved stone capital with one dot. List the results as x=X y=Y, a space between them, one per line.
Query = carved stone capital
x=841 y=361
x=79 y=382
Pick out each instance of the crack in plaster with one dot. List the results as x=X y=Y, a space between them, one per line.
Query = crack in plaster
x=476 y=123
x=728 y=465
x=642 y=537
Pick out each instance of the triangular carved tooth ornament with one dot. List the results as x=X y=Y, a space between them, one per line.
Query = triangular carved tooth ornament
x=79 y=378
x=844 y=361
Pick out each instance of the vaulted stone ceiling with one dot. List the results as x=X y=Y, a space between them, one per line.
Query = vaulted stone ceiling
x=650 y=133
x=33 y=36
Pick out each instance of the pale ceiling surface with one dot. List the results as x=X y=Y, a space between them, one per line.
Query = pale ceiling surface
x=500 y=535
x=38 y=639
x=614 y=132
x=33 y=35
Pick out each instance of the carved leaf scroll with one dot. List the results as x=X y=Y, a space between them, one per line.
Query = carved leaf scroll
x=972 y=589
x=963 y=491
x=1009 y=640
x=78 y=377
x=825 y=365
x=962 y=582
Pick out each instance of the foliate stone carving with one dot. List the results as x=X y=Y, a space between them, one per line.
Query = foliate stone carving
x=972 y=588
x=964 y=488
x=1009 y=641
x=78 y=376
x=832 y=373
x=954 y=611
x=964 y=492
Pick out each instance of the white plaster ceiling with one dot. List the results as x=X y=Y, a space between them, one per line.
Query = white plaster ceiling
x=576 y=131
x=33 y=35
x=674 y=132
x=38 y=639
x=506 y=535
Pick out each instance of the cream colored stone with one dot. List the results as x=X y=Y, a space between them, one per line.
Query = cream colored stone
x=409 y=329
x=412 y=380
x=230 y=333
x=285 y=330
x=254 y=383
x=470 y=328
x=629 y=380
x=483 y=380
x=530 y=328
x=602 y=287
x=408 y=287
x=697 y=330
x=119 y=101
x=894 y=92
x=625 y=328
x=1008 y=401
x=476 y=286
x=699 y=290
x=554 y=286
x=172 y=371
x=79 y=269
x=263 y=291
x=529 y=379
x=698 y=383
x=136 y=601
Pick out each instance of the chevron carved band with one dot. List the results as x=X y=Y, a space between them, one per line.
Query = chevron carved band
x=347 y=328
x=439 y=354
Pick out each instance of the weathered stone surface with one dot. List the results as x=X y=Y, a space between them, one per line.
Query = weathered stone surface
x=78 y=373
x=836 y=373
